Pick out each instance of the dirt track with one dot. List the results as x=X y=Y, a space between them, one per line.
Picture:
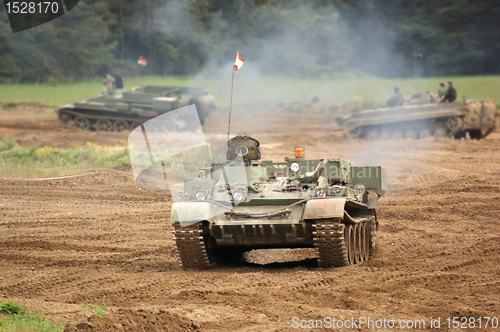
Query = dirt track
x=69 y=241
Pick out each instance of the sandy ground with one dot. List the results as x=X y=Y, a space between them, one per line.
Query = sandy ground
x=70 y=241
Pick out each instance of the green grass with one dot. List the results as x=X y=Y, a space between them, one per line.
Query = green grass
x=58 y=94
x=252 y=89
x=99 y=310
x=24 y=320
x=26 y=162
x=31 y=162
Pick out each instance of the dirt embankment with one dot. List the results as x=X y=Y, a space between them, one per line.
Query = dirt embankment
x=69 y=241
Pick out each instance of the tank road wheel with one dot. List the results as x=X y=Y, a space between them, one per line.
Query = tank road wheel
x=104 y=125
x=362 y=242
x=120 y=125
x=410 y=133
x=350 y=244
x=82 y=123
x=454 y=124
x=134 y=125
x=329 y=242
x=372 y=236
x=357 y=242
x=424 y=133
x=190 y=247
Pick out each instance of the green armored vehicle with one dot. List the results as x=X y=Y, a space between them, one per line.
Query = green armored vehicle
x=422 y=118
x=245 y=203
x=123 y=111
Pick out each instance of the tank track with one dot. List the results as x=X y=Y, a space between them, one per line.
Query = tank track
x=372 y=231
x=445 y=127
x=73 y=114
x=328 y=238
x=190 y=247
x=334 y=247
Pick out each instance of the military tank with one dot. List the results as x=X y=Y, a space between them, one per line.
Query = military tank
x=422 y=117
x=123 y=111
x=245 y=203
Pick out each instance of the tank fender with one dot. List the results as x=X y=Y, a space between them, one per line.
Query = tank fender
x=324 y=208
x=188 y=213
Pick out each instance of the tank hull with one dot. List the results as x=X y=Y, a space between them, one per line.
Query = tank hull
x=339 y=222
x=476 y=119
x=115 y=111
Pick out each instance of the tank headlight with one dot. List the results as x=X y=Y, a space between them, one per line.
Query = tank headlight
x=294 y=167
x=241 y=151
x=337 y=190
x=239 y=195
x=359 y=189
x=200 y=195
x=320 y=193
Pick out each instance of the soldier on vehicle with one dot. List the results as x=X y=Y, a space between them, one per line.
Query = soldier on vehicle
x=396 y=100
x=117 y=80
x=441 y=95
x=451 y=95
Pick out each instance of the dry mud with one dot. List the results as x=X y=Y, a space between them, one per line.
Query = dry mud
x=80 y=239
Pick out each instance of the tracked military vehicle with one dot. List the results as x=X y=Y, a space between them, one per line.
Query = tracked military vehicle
x=245 y=203
x=123 y=111
x=422 y=117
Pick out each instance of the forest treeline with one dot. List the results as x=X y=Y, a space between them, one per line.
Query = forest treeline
x=319 y=38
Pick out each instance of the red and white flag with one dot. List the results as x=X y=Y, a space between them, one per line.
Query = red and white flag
x=239 y=62
x=142 y=61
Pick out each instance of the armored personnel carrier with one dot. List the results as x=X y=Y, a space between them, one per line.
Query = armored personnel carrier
x=245 y=203
x=422 y=117
x=123 y=111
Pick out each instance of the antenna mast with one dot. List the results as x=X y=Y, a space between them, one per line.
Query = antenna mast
x=230 y=105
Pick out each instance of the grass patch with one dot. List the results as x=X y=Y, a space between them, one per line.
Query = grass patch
x=250 y=89
x=99 y=310
x=24 y=320
x=10 y=308
x=27 y=162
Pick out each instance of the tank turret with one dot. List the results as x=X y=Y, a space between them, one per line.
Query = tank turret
x=243 y=146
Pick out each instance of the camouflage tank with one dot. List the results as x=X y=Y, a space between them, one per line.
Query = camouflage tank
x=422 y=117
x=244 y=204
x=123 y=111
